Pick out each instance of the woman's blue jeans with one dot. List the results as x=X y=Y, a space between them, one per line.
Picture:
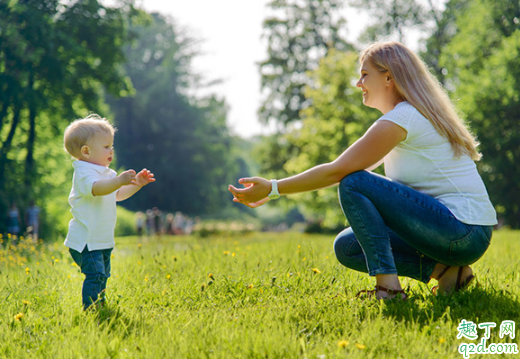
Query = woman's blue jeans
x=96 y=267
x=398 y=230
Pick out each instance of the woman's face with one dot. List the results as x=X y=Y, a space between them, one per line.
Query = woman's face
x=377 y=87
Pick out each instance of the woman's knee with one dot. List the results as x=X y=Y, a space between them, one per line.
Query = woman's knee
x=353 y=177
x=344 y=243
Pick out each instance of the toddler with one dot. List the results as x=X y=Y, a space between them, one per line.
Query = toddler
x=95 y=190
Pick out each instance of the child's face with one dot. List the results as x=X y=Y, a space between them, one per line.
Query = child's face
x=99 y=149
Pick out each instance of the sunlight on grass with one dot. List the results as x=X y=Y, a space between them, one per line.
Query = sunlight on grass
x=238 y=296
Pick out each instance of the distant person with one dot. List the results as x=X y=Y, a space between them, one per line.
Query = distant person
x=32 y=220
x=13 y=220
x=95 y=190
x=157 y=221
x=431 y=217
x=169 y=224
x=150 y=222
x=178 y=223
x=139 y=223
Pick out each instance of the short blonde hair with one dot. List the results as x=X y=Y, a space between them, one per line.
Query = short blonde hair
x=422 y=90
x=80 y=131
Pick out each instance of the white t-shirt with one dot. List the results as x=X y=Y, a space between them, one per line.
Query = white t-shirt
x=425 y=162
x=94 y=217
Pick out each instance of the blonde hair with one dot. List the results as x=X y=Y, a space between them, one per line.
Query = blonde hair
x=422 y=90
x=80 y=131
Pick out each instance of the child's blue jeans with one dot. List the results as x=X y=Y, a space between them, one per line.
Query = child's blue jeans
x=96 y=267
x=398 y=230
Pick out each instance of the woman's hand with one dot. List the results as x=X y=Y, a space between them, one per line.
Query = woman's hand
x=255 y=192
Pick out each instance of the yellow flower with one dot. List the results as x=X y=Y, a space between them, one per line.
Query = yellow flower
x=299 y=246
x=112 y=256
x=360 y=346
x=343 y=343
x=226 y=253
x=316 y=270
x=211 y=276
x=19 y=317
x=174 y=258
x=250 y=286
x=233 y=254
x=442 y=340
x=74 y=264
x=27 y=270
x=139 y=245
x=168 y=276
x=25 y=302
x=56 y=260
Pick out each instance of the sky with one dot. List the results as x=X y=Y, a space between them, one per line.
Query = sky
x=231 y=48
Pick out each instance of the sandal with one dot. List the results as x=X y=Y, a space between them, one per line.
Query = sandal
x=368 y=293
x=459 y=285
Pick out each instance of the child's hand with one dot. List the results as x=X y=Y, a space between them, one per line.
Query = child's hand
x=144 y=177
x=127 y=177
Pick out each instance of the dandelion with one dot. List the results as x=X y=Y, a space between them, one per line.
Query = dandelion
x=360 y=346
x=211 y=276
x=442 y=340
x=174 y=258
x=202 y=287
x=168 y=276
x=19 y=317
x=25 y=302
x=138 y=263
x=343 y=343
x=139 y=245
x=299 y=246
x=250 y=286
x=316 y=270
x=226 y=253
x=27 y=270
x=112 y=256
x=74 y=264
x=56 y=260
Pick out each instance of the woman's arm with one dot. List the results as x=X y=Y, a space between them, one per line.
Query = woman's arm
x=375 y=144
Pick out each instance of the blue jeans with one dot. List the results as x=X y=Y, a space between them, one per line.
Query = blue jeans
x=398 y=230
x=96 y=267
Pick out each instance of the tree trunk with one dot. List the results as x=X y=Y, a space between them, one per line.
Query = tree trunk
x=29 y=159
x=6 y=145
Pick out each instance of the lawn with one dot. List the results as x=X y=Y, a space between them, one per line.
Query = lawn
x=256 y=295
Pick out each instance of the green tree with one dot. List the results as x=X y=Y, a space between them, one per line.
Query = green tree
x=184 y=140
x=483 y=69
x=333 y=122
x=301 y=33
x=393 y=17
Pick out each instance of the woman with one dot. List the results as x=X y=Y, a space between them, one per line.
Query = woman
x=431 y=216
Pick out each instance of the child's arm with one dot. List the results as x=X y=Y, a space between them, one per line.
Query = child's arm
x=141 y=179
x=107 y=186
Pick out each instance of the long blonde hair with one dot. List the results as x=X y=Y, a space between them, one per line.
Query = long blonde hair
x=423 y=91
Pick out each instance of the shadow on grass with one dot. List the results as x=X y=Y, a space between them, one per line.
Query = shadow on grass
x=113 y=318
x=477 y=305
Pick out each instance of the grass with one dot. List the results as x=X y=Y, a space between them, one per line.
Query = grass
x=261 y=295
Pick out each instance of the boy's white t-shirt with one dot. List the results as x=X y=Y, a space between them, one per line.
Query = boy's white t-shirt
x=94 y=217
x=425 y=162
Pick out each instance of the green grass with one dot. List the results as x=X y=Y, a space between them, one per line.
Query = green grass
x=249 y=296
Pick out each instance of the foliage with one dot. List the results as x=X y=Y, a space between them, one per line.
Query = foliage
x=255 y=296
x=482 y=66
x=54 y=60
x=335 y=120
x=301 y=33
x=393 y=17
x=183 y=140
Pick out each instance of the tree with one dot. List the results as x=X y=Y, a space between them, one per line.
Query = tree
x=184 y=140
x=54 y=60
x=483 y=69
x=303 y=32
x=333 y=122
x=393 y=17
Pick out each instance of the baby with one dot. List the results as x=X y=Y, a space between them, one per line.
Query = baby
x=95 y=190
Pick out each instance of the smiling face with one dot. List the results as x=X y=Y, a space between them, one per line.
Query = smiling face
x=378 y=88
x=99 y=149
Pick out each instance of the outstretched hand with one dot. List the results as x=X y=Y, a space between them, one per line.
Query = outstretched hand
x=254 y=193
x=144 y=177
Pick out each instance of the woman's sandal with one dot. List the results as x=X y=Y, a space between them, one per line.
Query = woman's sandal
x=368 y=293
x=459 y=285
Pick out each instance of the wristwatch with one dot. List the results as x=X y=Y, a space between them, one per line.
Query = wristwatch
x=274 y=190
